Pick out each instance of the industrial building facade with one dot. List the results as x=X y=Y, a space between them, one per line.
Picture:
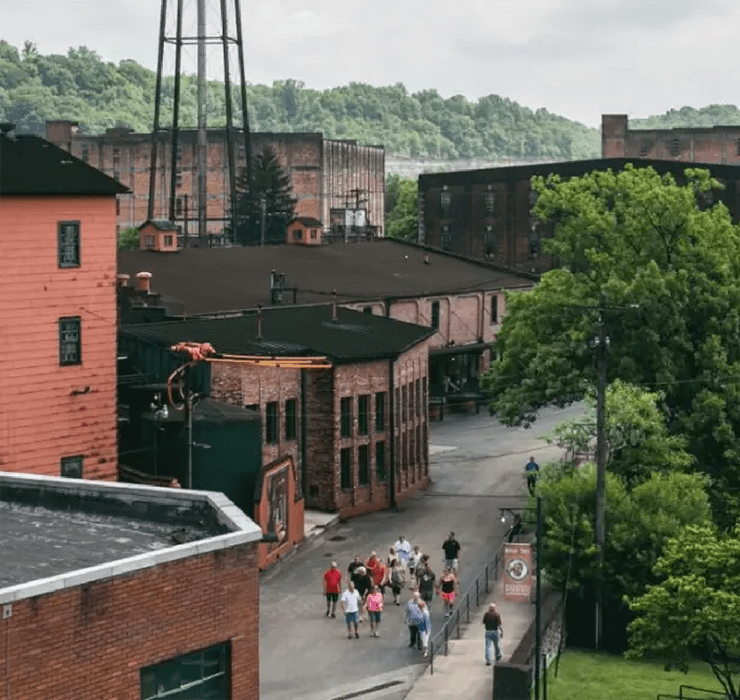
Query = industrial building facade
x=715 y=144
x=339 y=182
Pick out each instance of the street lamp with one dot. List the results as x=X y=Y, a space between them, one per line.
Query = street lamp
x=516 y=512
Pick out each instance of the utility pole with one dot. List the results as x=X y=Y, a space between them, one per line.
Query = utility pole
x=602 y=350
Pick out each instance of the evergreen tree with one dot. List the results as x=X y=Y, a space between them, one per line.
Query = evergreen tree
x=264 y=210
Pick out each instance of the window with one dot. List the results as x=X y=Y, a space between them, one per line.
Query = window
x=444 y=201
x=345 y=420
x=314 y=233
x=494 y=310
x=675 y=147
x=345 y=467
x=404 y=403
x=417 y=398
x=291 y=419
x=363 y=464
x=490 y=201
x=202 y=674
x=424 y=392
x=380 y=411
x=489 y=242
x=168 y=240
x=85 y=153
x=644 y=148
x=148 y=242
x=297 y=234
x=737 y=147
x=271 y=422
x=68 y=243
x=178 y=178
x=70 y=348
x=435 y=315
x=178 y=206
x=380 y=460
x=446 y=238
x=367 y=310
x=72 y=467
x=363 y=409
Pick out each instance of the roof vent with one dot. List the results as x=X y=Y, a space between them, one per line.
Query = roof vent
x=143 y=281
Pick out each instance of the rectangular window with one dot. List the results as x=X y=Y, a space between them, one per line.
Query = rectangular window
x=435 y=315
x=675 y=147
x=490 y=202
x=202 y=674
x=149 y=242
x=363 y=464
x=298 y=234
x=368 y=310
x=345 y=419
x=494 y=310
x=363 y=410
x=419 y=406
x=291 y=419
x=168 y=240
x=404 y=403
x=272 y=419
x=70 y=345
x=446 y=238
x=380 y=411
x=345 y=467
x=85 y=153
x=380 y=461
x=314 y=234
x=68 y=243
x=72 y=467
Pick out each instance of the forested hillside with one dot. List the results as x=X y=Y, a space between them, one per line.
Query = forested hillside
x=82 y=87
x=713 y=115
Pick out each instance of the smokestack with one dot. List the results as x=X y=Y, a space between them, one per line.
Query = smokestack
x=334 y=305
x=143 y=281
x=259 y=322
x=122 y=279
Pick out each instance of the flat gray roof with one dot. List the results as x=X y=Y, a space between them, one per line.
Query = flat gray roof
x=57 y=533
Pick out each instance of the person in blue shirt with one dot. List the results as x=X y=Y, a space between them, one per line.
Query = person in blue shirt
x=531 y=470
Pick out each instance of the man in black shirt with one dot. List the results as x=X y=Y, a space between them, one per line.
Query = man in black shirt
x=494 y=631
x=452 y=550
x=426 y=584
x=363 y=584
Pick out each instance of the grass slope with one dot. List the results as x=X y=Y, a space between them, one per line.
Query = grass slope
x=590 y=675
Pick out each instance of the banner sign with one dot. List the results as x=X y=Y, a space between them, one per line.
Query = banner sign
x=518 y=571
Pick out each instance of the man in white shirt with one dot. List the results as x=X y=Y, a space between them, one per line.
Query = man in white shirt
x=351 y=601
x=403 y=549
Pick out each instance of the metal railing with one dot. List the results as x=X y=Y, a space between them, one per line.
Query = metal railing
x=474 y=597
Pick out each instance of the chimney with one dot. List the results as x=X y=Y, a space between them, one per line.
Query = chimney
x=122 y=279
x=143 y=281
x=334 y=305
x=259 y=322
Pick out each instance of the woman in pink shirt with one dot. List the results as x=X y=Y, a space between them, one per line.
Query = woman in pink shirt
x=374 y=607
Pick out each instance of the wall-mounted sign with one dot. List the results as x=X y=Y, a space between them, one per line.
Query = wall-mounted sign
x=517 y=571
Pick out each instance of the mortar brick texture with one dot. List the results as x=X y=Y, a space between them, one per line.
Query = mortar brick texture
x=91 y=642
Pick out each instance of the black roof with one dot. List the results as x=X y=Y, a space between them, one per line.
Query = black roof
x=308 y=221
x=291 y=331
x=570 y=168
x=30 y=165
x=206 y=280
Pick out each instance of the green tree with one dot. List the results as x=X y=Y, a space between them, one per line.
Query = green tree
x=264 y=209
x=128 y=239
x=694 y=611
x=665 y=267
x=402 y=220
x=638 y=441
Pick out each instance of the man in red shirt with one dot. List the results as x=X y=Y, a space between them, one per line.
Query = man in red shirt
x=332 y=587
x=376 y=569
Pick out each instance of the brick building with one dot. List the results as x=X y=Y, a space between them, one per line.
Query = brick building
x=357 y=431
x=714 y=144
x=58 y=249
x=128 y=592
x=461 y=301
x=487 y=214
x=333 y=180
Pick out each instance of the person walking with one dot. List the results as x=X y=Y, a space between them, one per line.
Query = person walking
x=420 y=570
x=354 y=564
x=332 y=588
x=363 y=583
x=531 y=469
x=425 y=626
x=451 y=549
x=397 y=579
x=377 y=570
x=413 y=563
x=374 y=607
x=494 y=632
x=403 y=550
x=413 y=619
x=447 y=589
x=427 y=584
x=351 y=602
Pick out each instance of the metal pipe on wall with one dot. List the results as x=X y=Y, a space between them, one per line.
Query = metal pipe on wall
x=202 y=154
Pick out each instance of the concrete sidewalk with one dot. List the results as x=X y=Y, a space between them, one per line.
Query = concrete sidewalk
x=463 y=672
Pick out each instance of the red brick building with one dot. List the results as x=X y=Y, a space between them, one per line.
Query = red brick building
x=126 y=592
x=330 y=177
x=356 y=432
x=714 y=144
x=58 y=247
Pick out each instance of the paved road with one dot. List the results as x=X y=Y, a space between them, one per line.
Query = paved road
x=476 y=466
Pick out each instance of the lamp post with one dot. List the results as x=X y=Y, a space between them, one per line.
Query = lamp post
x=538 y=591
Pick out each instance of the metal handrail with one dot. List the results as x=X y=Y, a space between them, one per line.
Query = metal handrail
x=461 y=612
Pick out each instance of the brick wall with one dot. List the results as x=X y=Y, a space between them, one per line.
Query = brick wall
x=90 y=642
x=48 y=411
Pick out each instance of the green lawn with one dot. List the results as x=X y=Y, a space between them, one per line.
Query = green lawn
x=590 y=675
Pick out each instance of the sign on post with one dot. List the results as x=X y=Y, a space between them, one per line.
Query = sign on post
x=517 y=571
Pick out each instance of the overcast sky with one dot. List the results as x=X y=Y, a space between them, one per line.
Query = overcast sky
x=577 y=58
